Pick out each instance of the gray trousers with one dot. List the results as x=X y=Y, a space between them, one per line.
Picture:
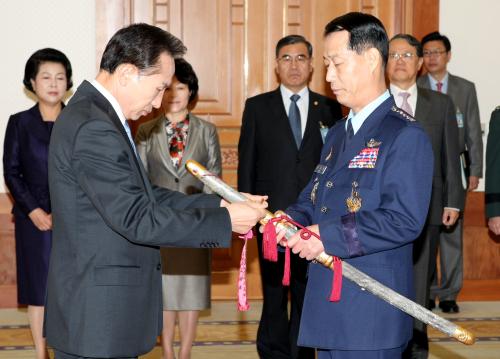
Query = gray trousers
x=61 y=355
x=451 y=262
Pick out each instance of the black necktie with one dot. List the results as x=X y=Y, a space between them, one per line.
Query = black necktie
x=349 y=133
x=294 y=118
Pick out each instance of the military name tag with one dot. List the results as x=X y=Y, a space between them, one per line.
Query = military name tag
x=320 y=169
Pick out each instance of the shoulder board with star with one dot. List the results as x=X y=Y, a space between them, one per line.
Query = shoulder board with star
x=403 y=114
x=497 y=108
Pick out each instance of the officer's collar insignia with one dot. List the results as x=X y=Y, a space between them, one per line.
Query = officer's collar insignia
x=403 y=113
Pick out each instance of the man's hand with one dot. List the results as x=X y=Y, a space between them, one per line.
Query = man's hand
x=494 y=225
x=308 y=249
x=245 y=215
x=450 y=216
x=41 y=219
x=473 y=183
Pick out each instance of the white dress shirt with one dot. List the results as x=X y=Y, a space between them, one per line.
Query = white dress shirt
x=302 y=104
x=412 y=99
x=357 y=119
x=116 y=106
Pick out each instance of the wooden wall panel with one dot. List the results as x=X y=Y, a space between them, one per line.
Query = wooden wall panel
x=481 y=248
x=425 y=17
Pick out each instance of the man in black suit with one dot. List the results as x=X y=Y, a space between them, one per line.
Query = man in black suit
x=104 y=283
x=280 y=144
x=492 y=185
x=435 y=112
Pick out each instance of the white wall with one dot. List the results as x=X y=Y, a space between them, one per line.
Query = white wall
x=29 y=25
x=472 y=27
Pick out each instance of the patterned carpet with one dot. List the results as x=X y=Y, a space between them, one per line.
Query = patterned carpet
x=223 y=332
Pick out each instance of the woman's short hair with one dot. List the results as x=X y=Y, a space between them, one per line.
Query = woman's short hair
x=185 y=74
x=41 y=56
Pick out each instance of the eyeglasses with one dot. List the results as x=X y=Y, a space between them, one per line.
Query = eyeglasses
x=288 y=59
x=405 y=56
x=434 y=53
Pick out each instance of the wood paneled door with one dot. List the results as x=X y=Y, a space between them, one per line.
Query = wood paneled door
x=231 y=45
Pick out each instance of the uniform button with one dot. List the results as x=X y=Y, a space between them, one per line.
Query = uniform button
x=329 y=184
x=158 y=266
x=176 y=180
x=324 y=209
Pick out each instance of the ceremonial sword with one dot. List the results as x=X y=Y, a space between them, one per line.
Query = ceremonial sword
x=364 y=281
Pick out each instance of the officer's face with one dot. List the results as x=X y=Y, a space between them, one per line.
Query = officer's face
x=350 y=74
x=403 y=64
x=435 y=57
x=294 y=66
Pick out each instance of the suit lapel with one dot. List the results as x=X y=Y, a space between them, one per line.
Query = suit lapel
x=335 y=151
x=313 y=118
x=39 y=126
x=452 y=86
x=104 y=104
x=426 y=83
x=423 y=107
x=190 y=145
x=160 y=132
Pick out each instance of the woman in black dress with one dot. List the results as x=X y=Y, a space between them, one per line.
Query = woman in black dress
x=48 y=76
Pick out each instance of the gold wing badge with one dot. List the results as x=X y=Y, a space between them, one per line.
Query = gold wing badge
x=354 y=201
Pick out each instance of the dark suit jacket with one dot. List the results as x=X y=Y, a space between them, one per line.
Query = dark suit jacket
x=463 y=94
x=492 y=186
x=436 y=113
x=104 y=285
x=377 y=239
x=269 y=161
x=25 y=161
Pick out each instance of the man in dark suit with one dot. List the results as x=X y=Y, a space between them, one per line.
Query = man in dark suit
x=104 y=285
x=437 y=54
x=435 y=112
x=280 y=143
x=492 y=185
x=368 y=200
